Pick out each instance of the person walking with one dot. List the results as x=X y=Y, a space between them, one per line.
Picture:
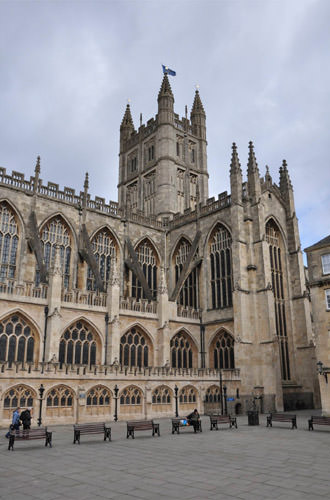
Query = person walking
x=26 y=418
x=16 y=419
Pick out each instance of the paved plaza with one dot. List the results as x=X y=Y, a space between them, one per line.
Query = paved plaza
x=247 y=463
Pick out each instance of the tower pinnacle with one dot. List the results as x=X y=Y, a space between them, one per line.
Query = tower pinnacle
x=127 y=121
x=165 y=89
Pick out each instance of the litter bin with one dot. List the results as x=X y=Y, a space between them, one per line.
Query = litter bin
x=253 y=417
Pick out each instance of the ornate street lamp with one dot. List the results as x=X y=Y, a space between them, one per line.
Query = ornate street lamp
x=176 y=388
x=41 y=392
x=116 y=389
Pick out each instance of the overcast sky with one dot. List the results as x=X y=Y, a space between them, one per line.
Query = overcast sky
x=67 y=69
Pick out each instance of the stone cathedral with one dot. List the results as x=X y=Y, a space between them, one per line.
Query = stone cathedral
x=146 y=302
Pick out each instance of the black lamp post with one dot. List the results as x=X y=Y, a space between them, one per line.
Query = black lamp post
x=41 y=392
x=225 y=398
x=221 y=396
x=176 y=388
x=116 y=389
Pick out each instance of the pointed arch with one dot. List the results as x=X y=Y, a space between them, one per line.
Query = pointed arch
x=19 y=396
x=213 y=227
x=98 y=395
x=188 y=296
x=60 y=396
x=188 y=394
x=105 y=249
x=19 y=338
x=221 y=351
x=152 y=244
x=131 y=395
x=212 y=394
x=80 y=343
x=162 y=395
x=183 y=350
x=220 y=252
x=136 y=348
x=277 y=261
x=148 y=258
x=57 y=231
x=10 y=236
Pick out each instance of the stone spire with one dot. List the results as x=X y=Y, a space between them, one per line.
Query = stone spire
x=286 y=188
x=165 y=89
x=198 y=117
x=235 y=176
x=254 y=186
x=165 y=102
x=36 y=175
x=127 y=121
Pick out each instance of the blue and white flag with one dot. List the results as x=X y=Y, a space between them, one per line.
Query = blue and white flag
x=168 y=71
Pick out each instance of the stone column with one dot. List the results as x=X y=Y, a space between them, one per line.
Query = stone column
x=54 y=306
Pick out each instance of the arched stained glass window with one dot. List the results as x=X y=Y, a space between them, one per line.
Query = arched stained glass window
x=17 y=339
x=56 y=232
x=161 y=395
x=78 y=345
x=188 y=395
x=134 y=349
x=181 y=351
x=60 y=396
x=221 y=268
x=188 y=296
x=131 y=396
x=19 y=396
x=103 y=245
x=148 y=260
x=8 y=241
x=273 y=238
x=222 y=351
x=98 y=396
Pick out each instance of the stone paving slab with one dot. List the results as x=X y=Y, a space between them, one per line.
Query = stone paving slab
x=245 y=463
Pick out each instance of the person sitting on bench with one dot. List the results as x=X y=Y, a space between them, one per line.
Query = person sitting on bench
x=194 y=419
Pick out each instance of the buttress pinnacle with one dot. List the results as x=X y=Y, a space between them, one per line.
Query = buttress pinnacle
x=252 y=162
x=235 y=166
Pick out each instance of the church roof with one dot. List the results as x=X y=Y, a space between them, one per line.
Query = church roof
x=320 y=244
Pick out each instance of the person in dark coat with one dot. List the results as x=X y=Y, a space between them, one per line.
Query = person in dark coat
x=194 y=420
x=26 y=418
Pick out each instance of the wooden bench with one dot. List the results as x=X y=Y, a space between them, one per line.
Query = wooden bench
x=222 y=419
x=91 y=428
x=282 y=417
x=29 y=434
x=177 y=424
x=314 y=420
x=141 y=425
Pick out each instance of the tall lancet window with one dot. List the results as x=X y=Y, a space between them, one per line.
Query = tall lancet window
x=104 y=249
x=274 y=240
x=56 y=232
x=188 y=296
x=221 y=268
x=148 y=260
x=8 y=242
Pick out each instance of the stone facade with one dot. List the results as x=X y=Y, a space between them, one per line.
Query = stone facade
x=318 y=257
x=166 y=288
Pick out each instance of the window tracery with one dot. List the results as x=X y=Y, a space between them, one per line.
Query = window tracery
x=161 y=395
x=273 y=239
x=17 y=339
x=131 y=396
x=181 y=351
x=20 y=396
x=188 y=395
x=221 y=268
x=134 y=349
x=60 y=396
x=78 y=345
x=148 y=260
x=188 y=296
x=104 y=250
x=56 y=233
x=212 y=394
x=98 y=396
x=9 y=237
x=223 y=351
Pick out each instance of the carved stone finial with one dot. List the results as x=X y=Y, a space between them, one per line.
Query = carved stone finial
x=86 y=183
x=37 y=167
x=252 y=162
x=235 y=166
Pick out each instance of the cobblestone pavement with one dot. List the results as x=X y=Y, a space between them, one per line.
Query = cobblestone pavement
x=247 y=463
